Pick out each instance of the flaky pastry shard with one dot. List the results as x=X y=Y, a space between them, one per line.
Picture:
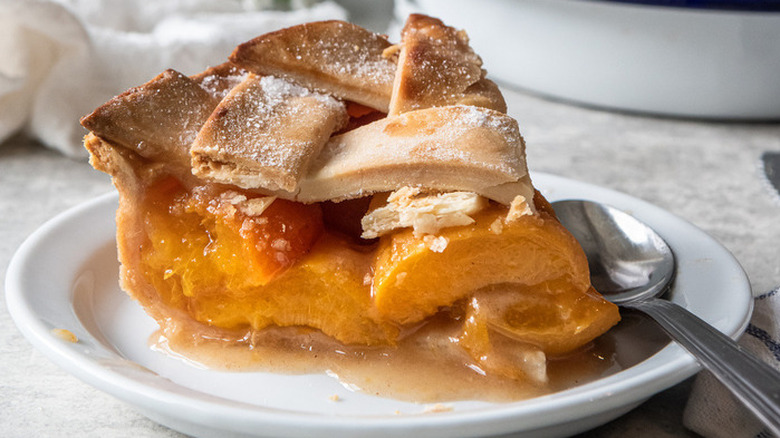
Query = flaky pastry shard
x=333 y=56
x=425 y=213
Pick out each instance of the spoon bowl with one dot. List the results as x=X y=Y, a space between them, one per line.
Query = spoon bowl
x=631 y=266
x=627 y=259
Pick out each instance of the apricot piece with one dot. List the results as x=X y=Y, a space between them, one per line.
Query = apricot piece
x=267 y=234
x=413 y=281
x=501 y=355
x=360 y=115
x=550 y=303
x=551 y=316
x=324 y=291
x=356 y=110
x=224 y=269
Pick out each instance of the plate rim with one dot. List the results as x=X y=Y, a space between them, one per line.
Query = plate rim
x=240 y=417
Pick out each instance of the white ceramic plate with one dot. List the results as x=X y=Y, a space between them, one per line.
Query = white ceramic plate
x=65 y=276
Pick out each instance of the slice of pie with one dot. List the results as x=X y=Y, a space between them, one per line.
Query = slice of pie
x=325 y=181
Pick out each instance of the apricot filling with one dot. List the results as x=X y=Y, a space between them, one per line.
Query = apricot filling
x=243 y=262
x=241 y=270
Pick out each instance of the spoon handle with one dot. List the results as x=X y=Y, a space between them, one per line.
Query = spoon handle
x=754 y=382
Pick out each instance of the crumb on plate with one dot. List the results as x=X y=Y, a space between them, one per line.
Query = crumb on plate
x=65 y=335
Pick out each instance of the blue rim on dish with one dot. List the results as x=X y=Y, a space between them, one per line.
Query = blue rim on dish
x=724 y=5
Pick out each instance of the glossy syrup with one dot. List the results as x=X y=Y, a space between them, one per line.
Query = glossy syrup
x=426 y=366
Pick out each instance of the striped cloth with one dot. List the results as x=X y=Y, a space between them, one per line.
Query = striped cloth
x=712 y=411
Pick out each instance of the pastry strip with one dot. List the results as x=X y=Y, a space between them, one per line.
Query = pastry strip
x=158 y=120
x=444 y=148
x=337 y=57
x=437 y=67
x=265 y=133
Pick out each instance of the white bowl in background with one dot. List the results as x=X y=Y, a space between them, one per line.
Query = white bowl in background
x=673 y=61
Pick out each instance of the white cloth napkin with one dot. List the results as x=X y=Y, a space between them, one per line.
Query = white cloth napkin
x=60 y=59
x=712 y=411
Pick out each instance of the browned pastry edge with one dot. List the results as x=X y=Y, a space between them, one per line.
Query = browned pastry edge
x=158 y=120
x=436 y=67
x=148 y=120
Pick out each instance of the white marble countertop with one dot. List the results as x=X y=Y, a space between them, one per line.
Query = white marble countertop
x=705 y=172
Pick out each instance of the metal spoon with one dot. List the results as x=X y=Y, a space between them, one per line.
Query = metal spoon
x=631 y=266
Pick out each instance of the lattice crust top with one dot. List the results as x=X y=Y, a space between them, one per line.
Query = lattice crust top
x=279 y=117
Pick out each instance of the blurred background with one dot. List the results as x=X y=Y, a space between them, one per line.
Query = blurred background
x=675 y=102
x=716 y=59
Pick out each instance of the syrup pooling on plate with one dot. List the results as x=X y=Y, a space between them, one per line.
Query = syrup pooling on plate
x=427 y=366
x=438 y=374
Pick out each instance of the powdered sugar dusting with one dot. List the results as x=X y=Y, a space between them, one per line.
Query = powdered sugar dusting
x=268 y=128
x=462 y=121
x=444 y=148
x=351 y=52
x=157 y=119
x=219 y=86
x=473 y=117
x=338 y=57
x=277 y=91
x=436 y=66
